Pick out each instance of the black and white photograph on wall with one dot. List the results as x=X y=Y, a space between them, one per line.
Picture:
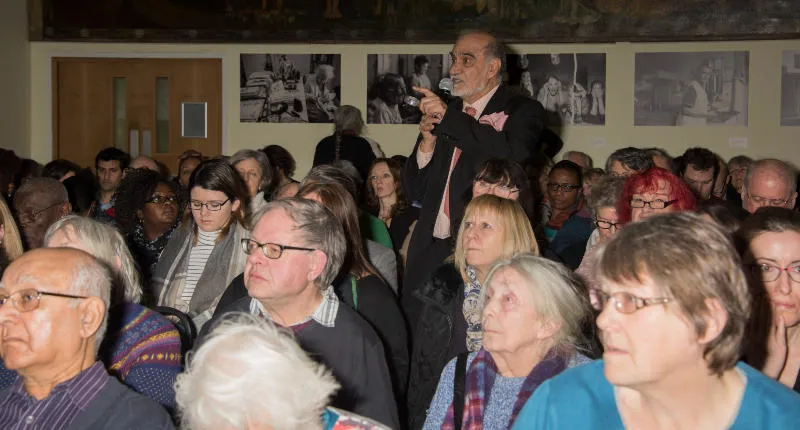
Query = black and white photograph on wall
x=790 y=88
x=390 y=78
x=691 y=88
x=571 y=87
x=289 y=87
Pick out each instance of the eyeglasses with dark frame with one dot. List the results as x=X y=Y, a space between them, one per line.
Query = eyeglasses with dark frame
x=625 y=303
x=30 y=217
x=161 y=200
x=770 y=272
x=272 y=251
x=197 y=205
x=555 y=187
x=605 y=225
x=487 y=187
x=28 y=300
x=653 y=204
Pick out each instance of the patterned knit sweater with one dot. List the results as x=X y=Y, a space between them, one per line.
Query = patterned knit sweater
x=142 y=349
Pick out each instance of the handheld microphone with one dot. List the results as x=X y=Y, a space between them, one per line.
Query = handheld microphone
x=445 y=90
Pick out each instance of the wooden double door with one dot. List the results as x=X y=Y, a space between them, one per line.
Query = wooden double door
x=154 y=107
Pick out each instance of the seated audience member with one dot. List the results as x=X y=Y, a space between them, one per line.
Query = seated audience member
x=772 y=237
x=590 y=177
x=674 y=304
x=141 y=347
x=537 y=169
x=267 y=382
x=53 y=309
x=378 y=244
x=533 y=311
x=567 y=224
x=445 y=312
x=653 y=192
x=627 y=161
x=283 y=165
x=360 y=286
x=386 y=200
x=698 y=168
x=29 y=169
x=721 y=181
x=287 y=191
x=60 y=170
x=10 y=239
x=256 y=172
x=737 y=170
x=187 y=162
x=82 y=190
x=39 y=203
x=603 y=205
x=580 y=158
x=769 y=182
x=371 y=226
x=505 y=179
x=205 y=254
x=142 y=162
x=109 y=164
x=10 y=165
x=661 y=158
x=293 y=256
x=346 y=142
x=147 y=215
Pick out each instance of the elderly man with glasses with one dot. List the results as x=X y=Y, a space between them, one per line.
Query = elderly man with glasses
x=40 y=202
x=769 y=182
x=293 y=256
x=53 y=312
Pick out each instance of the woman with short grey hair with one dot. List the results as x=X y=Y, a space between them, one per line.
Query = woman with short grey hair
x=533 y=311
x=256 y=171
x=267 y=381
x=603 y=206
x=346 y=142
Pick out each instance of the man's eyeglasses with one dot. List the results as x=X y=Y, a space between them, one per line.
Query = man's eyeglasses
x=30 y=217
x=272 y=251
x=212 y=206
x=623 y=302
x=486 y=187
x=566 y=188
x=28 y=300
x=605 y=225
x=770 y=273
x=763 y=201
x=653 y=204
x=162 y=200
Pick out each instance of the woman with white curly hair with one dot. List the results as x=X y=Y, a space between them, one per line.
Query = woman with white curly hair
x=250 y=374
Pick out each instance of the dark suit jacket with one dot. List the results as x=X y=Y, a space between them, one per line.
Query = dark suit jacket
x=478 y=142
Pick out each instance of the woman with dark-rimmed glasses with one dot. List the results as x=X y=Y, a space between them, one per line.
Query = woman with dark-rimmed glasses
x=567 y=223
x=654 y=191
x=204 y=255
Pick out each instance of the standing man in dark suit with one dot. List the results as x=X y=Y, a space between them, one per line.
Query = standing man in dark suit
x=485 y=120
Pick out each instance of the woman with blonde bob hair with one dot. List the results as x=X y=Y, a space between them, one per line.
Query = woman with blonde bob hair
x=674 y=304
x=446 y=310
x=533 y=310
x=250 y=374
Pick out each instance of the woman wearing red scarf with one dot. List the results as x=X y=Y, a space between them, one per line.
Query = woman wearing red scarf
x=533 y=309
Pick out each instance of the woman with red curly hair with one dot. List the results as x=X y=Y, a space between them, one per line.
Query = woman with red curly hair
x=653 y=192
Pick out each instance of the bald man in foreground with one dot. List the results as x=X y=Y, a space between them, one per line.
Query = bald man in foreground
x=53 y=314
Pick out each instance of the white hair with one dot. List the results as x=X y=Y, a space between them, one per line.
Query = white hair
x=586 y=158
x=251 y=372
x=91 y=278
x=556 y=293
x=106 y=244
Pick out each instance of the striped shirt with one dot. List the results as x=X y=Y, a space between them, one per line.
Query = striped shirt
x=20 y=411
x=324 y=314
x=198 y=257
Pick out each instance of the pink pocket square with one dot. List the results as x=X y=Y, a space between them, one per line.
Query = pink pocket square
x=496 y=120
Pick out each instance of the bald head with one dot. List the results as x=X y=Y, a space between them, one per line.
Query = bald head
x=40 y=202
x=769 y=182
x=142 y=162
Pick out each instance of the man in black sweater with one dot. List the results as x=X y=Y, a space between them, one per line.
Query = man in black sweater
x=294 y=253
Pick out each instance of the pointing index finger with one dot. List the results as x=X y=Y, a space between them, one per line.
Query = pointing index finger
x=426 y=92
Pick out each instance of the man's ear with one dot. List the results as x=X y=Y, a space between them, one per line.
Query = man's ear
x=92 y=312
x=716 y=318
x=494 y=67
x=318 y=262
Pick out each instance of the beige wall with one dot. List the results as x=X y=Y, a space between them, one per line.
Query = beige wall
x=764 y=135
x=15 y=77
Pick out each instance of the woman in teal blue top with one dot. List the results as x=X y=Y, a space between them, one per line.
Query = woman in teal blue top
x=674 y=305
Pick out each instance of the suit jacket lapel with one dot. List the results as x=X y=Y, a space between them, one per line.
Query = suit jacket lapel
x=498 y=101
